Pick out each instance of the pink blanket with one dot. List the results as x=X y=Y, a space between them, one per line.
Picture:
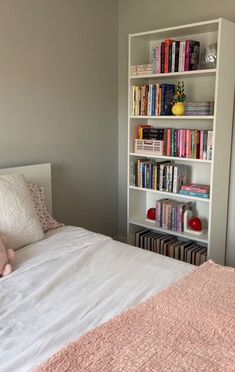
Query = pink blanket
x=189 y=326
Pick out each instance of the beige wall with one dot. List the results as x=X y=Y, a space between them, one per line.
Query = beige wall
x=137 y=16
x=58 y=101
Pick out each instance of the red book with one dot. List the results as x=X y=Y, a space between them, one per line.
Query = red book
x=167 y=59
x=201 y=144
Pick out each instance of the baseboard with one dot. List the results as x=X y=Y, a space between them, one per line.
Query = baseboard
x=121 y=238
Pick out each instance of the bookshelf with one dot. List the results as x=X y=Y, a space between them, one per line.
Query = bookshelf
x=214 y=84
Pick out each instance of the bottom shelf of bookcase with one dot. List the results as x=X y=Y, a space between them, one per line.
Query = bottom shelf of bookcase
x=141 y=221
x=171 y=246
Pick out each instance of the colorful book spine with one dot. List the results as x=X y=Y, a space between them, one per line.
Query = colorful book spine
x=195 y=194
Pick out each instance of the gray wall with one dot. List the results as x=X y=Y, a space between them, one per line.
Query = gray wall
x=58 y=101
x=137 y=16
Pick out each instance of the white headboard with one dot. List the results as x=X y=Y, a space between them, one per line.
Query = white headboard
x=38 y=173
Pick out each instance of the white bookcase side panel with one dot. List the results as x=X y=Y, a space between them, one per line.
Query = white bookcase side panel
x=224 y=98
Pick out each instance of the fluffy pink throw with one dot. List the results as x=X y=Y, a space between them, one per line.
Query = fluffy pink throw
x=189 y=326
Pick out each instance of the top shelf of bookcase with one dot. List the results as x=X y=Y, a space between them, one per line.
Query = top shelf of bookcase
x=196 y=73
x=200 y=27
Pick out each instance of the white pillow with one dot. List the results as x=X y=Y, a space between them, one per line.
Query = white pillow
x=18 y=217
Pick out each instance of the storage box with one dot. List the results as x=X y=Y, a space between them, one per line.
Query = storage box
x=149 y=147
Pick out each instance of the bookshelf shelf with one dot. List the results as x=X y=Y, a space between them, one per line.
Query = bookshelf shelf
x=170 y=194
x=141 y=221
x=152 y=156
x=171 y=117
x=184 y=74
x=204 y=85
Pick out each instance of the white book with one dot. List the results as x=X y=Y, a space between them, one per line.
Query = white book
x=132 y=108
x=209 y=144
x=181 y=56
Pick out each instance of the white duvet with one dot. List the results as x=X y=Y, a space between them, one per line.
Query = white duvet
x=69 y=283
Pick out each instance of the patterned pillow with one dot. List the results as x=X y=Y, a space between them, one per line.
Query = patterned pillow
x=18 y=217
x=46 y=220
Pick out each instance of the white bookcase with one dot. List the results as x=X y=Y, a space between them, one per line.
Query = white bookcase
x=216 y=85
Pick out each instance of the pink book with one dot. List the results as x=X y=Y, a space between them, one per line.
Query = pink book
x=188 y=143
x=201 y=144
x=158 y=60
x=184 y=143
x=195 y=187
x=187 y=55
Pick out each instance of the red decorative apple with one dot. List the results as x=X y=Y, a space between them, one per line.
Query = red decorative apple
x=151 y=214
x=195 y=224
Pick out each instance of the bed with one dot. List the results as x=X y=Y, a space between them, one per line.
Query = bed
x=69 y=283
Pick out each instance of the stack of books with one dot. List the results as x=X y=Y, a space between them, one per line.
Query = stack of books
x=141 y=69
x=199 y=108
x=195 y=189
x=168 y=245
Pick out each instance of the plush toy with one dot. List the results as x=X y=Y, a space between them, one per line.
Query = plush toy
x=7 y=255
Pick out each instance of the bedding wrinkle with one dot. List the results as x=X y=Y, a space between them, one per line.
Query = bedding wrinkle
x=68 y=284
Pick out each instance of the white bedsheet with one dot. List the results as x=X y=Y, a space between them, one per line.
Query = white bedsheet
x=69 y=283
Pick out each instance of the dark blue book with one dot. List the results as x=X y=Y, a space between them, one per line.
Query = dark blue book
x=153 y=112
x=168 y=92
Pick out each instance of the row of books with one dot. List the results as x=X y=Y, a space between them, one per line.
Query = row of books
x=199 y=108
x=155 y=175
x=170 y=246
x=174 y=56
x=170 y=214
x=152 y=99
x=183 y=143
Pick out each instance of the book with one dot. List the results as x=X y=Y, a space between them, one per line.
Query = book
x=154 y=60
x=158 y=60
x=162 y=56
x=167 y=54
x=177 y=45
x=181 y=56
x=195 y=194
x=196 y=187
x=209 y=144
x=168 y=92
x=140 y=130
x=138 y=235
x=194 y=54
x=198 y=255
